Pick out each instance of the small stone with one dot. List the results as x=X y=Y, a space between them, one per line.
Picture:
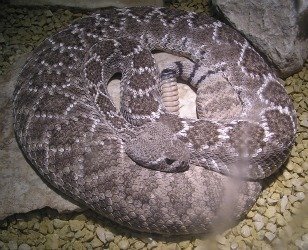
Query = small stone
x=258 y=225
x=152 y=244
x=79 y=234
x=287 y=175
x=275 y=196
x=269 y=236
x=22 y=225
x=241 y=245
x=270 y=212
x=80 y=217
x=287 y=216
x=304 y=123
x=76 y=225
x=24 y=246
x=297 y=181
x=271 y=227
x=109 y=236
x=117 y=239
x=139 y=244
x=271 y=201
x=113 y=246
x=64 y=231
x=283 y=203
x=287 y=184
x=31 y=223
x=290 y=166
x=297 y=204
x=172 y=246
x=305 y=166
x=234 y=246
x=52 y=241
x=261 y=202
x=184 y=244
x=48 y=13
x=300 y=196
x=299 y=243
x=123 y=244
x=12 y=245
x=59 y=223
x=289 y=89
x=88 y=235
x=250 y=214
x=100 y=232
x=91 y=227
x=245 y=231
x=68 y=13
x=43 y=228
x=46 y=227
x=299 y=188
x=258 y=217
x=77 y=245
x=304 y=153
x=292 y=198
x=96 y=243
x=297 y=168
x=297 y=160
x=280 y=220
x=222 y=240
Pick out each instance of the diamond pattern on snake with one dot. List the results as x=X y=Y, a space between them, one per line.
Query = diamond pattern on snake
x=143 y=166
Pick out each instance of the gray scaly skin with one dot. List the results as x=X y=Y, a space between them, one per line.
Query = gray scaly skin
x=143 y=167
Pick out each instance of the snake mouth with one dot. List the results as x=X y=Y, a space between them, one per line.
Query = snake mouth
x=169 y=161
x=175 y=166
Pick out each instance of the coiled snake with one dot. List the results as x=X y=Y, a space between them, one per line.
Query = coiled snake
x=143 y=166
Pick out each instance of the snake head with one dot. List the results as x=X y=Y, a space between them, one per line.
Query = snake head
x=157 y=148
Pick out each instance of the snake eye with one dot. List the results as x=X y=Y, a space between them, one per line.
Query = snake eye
x=169 y=161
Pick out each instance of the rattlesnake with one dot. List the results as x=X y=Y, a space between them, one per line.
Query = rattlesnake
x=143 y=166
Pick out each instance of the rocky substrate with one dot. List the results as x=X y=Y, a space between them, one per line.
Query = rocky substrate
x=279 y=219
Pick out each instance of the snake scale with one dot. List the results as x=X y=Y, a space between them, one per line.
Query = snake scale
x=142 y=166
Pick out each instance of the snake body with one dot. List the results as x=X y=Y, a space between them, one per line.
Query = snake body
x=142 y=166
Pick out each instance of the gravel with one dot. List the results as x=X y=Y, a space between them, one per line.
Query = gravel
x=279 y=217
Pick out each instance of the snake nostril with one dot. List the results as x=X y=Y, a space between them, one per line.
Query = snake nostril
x=169 y=161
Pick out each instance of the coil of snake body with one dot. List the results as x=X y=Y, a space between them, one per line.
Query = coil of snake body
x=143 y=166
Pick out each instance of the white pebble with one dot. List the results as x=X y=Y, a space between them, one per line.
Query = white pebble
x=299 y=243
x=271 y=201
x=270 y=211
x=245 y=231
x=234 y=246
x=100 y=232
x=300 y=196
x=109 y=236
x=258 y=217
x=270 y=236
x=24 y=246
x=123 y=244
x=292 y=198
x=297 y=182
x=12 y=245
x=287 y=175
x=258 y=225
x=283 y=203
x=271 y=227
